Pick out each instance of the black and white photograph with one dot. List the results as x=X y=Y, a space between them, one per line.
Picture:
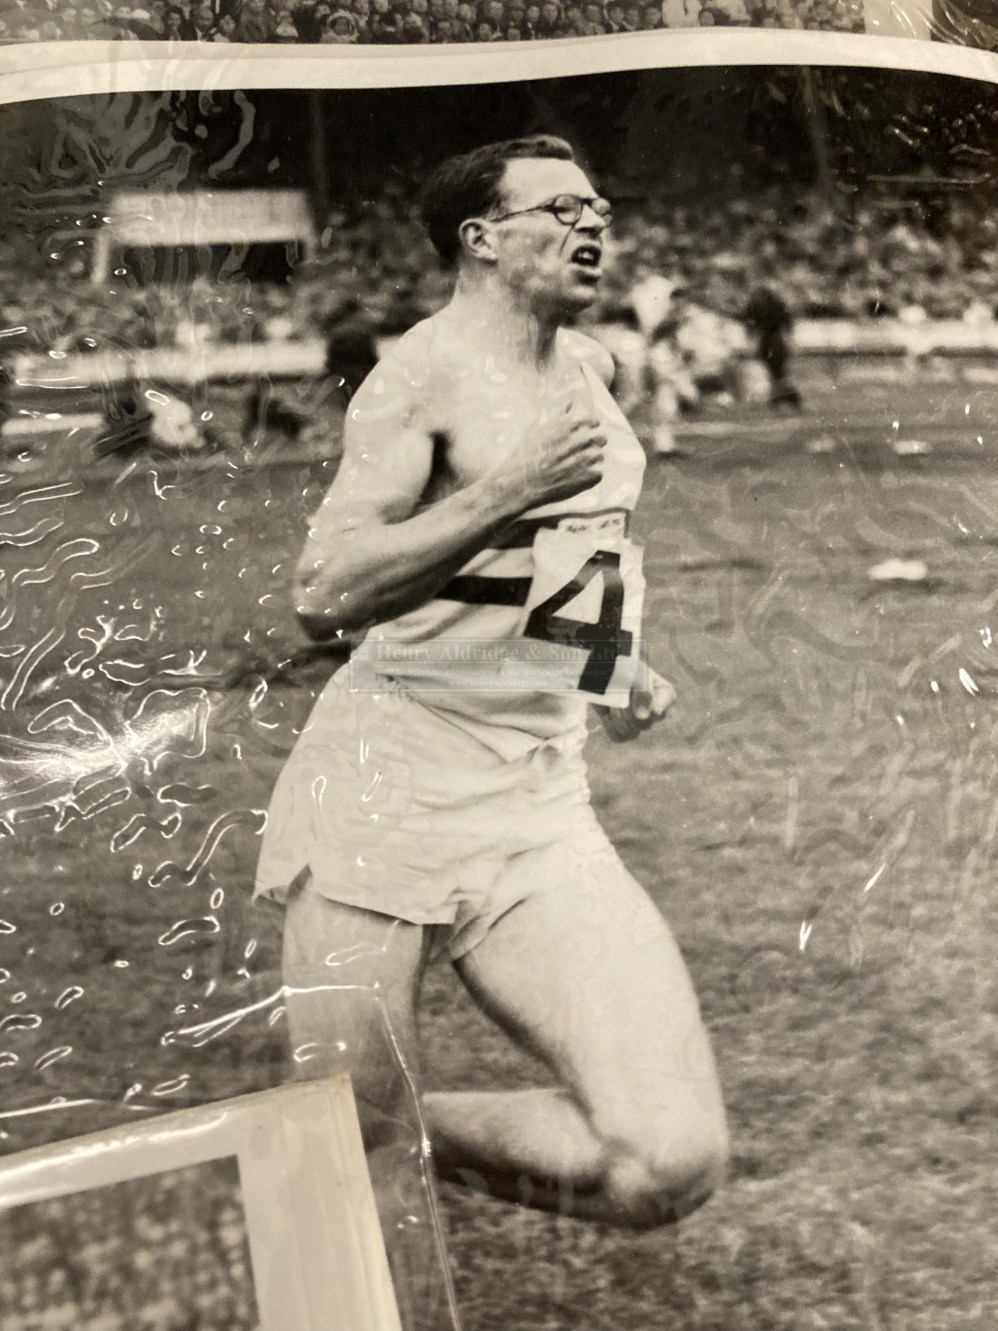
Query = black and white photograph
x=497 y=598
x=284 y=23
x=157 y=1253
x=969 y=22
x=256 y=1214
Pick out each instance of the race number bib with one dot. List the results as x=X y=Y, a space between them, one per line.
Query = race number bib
x=584 y=608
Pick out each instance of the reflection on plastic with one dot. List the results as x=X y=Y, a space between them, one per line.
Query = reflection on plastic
x=819 y=820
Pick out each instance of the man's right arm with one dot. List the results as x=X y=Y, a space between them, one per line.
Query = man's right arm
x=370 y=554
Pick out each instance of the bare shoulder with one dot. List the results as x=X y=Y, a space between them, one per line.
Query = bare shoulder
x=389 y=389
x=591 y=353
x=403 y=383
x=387 y=439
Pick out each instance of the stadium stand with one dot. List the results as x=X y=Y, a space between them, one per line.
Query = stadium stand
x=153 y=1255
x=885 y=272
x=401 y=22
x=878 y=261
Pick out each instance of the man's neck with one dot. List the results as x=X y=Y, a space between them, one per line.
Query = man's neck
x=494 y=317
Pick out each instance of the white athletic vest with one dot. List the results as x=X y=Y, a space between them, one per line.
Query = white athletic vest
x=543 y=621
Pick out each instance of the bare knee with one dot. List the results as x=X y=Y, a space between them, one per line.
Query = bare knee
x=655 y=1179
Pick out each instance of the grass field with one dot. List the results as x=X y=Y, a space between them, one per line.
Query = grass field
x=818 y=821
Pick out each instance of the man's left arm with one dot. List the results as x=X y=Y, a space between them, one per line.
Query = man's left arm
x=651 y=698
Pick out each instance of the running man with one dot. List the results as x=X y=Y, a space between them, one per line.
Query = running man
x=475 y=539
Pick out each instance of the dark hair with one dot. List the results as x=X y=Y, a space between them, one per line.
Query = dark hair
x=471 y=186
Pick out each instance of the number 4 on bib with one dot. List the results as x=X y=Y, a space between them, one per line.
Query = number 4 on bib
x=586 y=605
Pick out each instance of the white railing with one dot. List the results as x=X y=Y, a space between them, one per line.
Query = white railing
x=297 y=359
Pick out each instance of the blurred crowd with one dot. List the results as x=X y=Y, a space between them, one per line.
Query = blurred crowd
x=881 y=258
x=136 y=1256
x=375 y=266
x=697 y=309
x=409 y=22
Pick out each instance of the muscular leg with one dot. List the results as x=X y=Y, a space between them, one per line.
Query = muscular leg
x=351 y=979
x=588 y=977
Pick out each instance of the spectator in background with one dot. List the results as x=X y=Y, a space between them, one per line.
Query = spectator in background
x=549 y=20
x=707 y=341
x=303 y=17
x=341 y=29
x=414 y=31
x=157 y=19
x=592 y=23
x=176 y=26
x=285 y=31
x=382 y=24
x=225 y=29
x=450 y=11
x=204 y=20
x=253 y=23
x=770 y=324
x=361 y=10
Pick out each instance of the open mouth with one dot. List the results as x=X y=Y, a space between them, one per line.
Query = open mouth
x=587 y=256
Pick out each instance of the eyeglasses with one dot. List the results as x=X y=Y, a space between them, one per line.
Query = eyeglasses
x=567 y=208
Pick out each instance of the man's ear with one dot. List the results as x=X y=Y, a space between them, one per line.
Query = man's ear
x=478 y=239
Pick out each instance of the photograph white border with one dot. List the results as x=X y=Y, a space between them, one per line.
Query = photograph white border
x=317 y=1254
x=41 y=70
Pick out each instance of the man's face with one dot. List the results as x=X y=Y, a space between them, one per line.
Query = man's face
x=557 y=268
